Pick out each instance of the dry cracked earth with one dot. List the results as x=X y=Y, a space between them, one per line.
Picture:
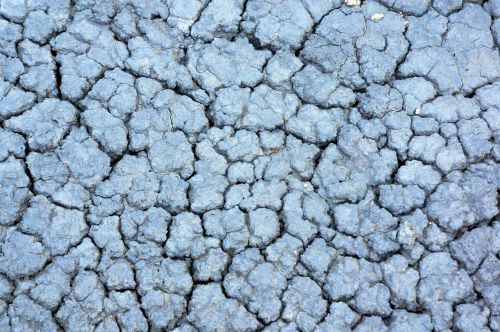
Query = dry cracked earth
x=260 y=165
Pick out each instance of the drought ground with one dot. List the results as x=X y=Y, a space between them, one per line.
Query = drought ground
x=230 y=165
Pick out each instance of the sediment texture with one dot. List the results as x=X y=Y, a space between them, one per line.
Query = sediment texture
x=231 y=165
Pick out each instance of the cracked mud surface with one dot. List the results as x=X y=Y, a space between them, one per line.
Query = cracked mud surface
x=231 y=165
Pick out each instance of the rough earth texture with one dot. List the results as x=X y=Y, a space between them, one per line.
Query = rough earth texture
x=244 y=165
